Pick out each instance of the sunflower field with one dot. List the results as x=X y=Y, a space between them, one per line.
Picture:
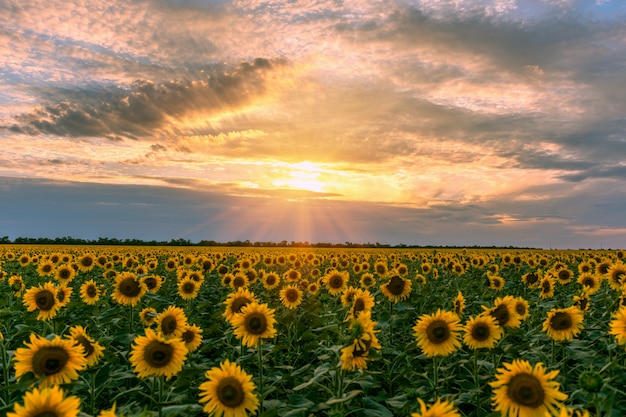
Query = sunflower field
x=193 y=331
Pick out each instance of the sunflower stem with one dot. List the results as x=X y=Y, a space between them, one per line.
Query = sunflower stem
x=5 y=369
x=476 y=383
x=436 y=375
x=92 y=392
x=161 y=383
x=130 y=319
x=260 y=349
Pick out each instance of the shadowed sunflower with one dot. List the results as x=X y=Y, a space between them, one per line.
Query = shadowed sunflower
x=438 y=409
x=228 y=392
x=438 y=334
x=236 y=301
x=188 y=288
x=362 y=302
x=291 y=296
x=90 y=292
x=47 y=402
x=64 y=294
x=16 y=282
x=148 y=316
x=313 y=288
x=192 y=336
x=590 y=283
x=459 y=304
x=92 y=350
x=522 y=390
x=255 y=322
x=54 y=362
x=531 y=279
x=44 y=299
x=581 y=301
x=563 y=323
x=128 y=290
x=171 y=322
x=482 y=332
x=336 y=281
x=356 y=355
x=618 y=325
x=153 y=355
x=396 y=288
x=546 y=286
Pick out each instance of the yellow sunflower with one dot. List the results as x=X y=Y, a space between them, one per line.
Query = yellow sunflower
x=503 y=311
x=521 y=308
x=291 y=296
x=16 y=282
x=482 y=332
x=55 y=361
x=92 y=350
x=438 y=334
x=367 y=280
x=45 y=268
x=381 y=268
x=618 y=325
x=228 y=392
x=254 y=322
x=459 y=304
x=128 y=289
x=152 y=282
x=438 y=409
x=235 y=302
x=153 y=355
x=109 y=413
x=396 y=288
x=590 y=283
x=86 y=262
x=64 y=294
x=90 y=292
x=563 y=323
x=44 y=299
x=356 y=354
x=148 y=316
x=546 y=286
x=47 y=402
x=171 y=322
x=270 y=280
x=531 y=279
x=362 y=301
x=188 y=288
x=192 y=336
x=522 y=390
x=239 y=280
x=617 y=275
x=336 y=281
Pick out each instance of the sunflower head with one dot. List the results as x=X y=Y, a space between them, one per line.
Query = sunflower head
x=153 y=355
x=46 y=402
x=254 y=322
x=563 y=324
x=438 y=334
x=590 y=381
x=228 y=391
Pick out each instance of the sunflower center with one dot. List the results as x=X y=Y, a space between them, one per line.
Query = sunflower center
x=501 y=314
x=520 y=309
x=129 y=287
x=561 y=321
x=395 y=285
x=270 y=280
x=46 y=268
x=438 y=332
x=256 y=323
x=292 y=296
x=239 y=282
x=169 y=325
x=481 y=332
x=588 y=282
x=50 y=360
x=86 y=261
x=335 y=281
x=86 y=344
x=61 y=295
x=564 y=275
x=359 y=305
x=158 y=354
x=150 y=282
x=526 y=390
x=230 y=392
x=45 y=300
x=532 y=278
x=189 y=287
x=188 y=336
x=238 y=303
x=91 y=291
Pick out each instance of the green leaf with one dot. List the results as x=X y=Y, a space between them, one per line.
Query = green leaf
x=374 y=409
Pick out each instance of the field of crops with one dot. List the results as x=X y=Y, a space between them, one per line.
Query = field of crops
x=130 y=331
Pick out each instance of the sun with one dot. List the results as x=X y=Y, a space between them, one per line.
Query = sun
x=302 y=176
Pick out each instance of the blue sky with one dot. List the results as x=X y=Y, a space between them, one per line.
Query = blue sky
x=417 y=122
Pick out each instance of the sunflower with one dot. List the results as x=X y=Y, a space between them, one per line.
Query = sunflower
x=239 y=280
x=228 y=391
x=192 y=336
x=531 y=279
x=482 y=332
x=336 y=281
x=581 y=301
x=618 y=325
x=47 y=402
x=291 y=296
x=602 y=268
x=521 y=308
x=590 y=283
x=109 y=413
x=617 y=275
x=152 y=282
x=188 y=289
x=356 y=354
x=438 y=334
x=292 y=275
x=347 y=297
x=396 y=288
x=564 y=323
x=313 y=288
x=153 y=355
x=459 y=304
x=523 y=390
x=128 y=289
x=86 y=262
x=55 y=361
x=254 y=322
x=171 y=322
x=92 y=350
x=270 y=280
x=90 y=292
x=235 y=302
x=362 y=302
x=438 y=409
x=24 y=260
x=547 y=286
x=148 y=316
x=503 y=311
x=16 y=282
x=45 y=268
x=44 y=299
x=496 y=282
x=64 y=294
x=381 y=268
x=367 y=280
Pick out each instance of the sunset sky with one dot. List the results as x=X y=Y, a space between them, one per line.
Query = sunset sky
x=491 y=122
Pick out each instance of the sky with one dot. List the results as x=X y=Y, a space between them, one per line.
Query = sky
x=449 y=122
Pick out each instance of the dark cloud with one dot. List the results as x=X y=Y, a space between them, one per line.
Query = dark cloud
x=148 y=106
